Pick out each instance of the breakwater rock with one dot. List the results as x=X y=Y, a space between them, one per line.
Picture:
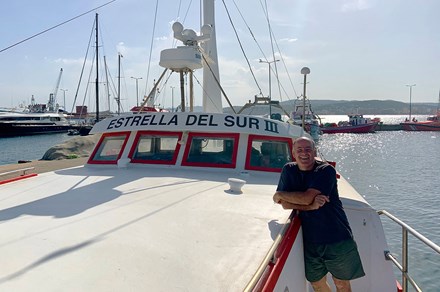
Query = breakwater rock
x=80 y=146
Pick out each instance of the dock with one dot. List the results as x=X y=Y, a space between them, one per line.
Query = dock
x=388 y=127
x=10 y=171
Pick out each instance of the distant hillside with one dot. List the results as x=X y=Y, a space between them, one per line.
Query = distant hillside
x=343 y=107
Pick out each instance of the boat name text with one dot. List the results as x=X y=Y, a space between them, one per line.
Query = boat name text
x=202 y=120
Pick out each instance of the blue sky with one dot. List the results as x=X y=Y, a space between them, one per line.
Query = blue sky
x=355 y=49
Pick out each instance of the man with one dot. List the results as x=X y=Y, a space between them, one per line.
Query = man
x=310 y=186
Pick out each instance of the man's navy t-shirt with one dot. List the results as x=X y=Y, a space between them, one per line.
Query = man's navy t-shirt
x=329 y=223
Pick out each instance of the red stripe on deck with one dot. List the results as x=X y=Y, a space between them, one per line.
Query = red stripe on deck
x=399 y=287
x=17 y=178
x=274 y=269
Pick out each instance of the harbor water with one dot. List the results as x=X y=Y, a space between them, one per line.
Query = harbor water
x=396 y=171
x=399 y=172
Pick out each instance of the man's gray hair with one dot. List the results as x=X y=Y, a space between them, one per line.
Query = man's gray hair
x=312 y=143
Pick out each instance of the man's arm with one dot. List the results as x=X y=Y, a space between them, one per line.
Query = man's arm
x=298 y=198
x=317 y=203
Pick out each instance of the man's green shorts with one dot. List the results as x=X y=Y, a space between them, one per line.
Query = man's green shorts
x=341 y=259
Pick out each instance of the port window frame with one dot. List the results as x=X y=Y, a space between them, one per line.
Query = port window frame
x=249 y=154
x=154 y=161
x=234 y=136
x=102 y=140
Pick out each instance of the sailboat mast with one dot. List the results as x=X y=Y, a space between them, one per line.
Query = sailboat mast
x=97 y=71
x=438 y=103
x=119 y=83
x=213 y=102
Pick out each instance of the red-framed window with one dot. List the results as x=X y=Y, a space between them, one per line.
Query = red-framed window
x=266 y=153
x=109 y=148
x=155 y=147
x=211 y=150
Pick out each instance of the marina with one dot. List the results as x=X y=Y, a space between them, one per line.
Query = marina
x=384 y=147
x=182 y=199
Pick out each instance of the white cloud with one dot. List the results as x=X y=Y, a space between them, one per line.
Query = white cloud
x=120 y=47
x=288 y=40
x=355 y=5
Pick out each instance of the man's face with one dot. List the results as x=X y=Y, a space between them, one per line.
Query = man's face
x=304 y=154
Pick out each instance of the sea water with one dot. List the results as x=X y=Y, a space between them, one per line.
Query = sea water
x=395 y=171
x=14 y=149
x=398 y=172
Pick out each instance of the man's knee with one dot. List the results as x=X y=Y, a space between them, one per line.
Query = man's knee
x=321 y=285
x=342 y=285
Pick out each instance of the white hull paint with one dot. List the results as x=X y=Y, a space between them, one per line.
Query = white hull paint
x=149 y=226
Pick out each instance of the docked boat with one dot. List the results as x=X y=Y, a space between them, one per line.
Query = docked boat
x=356 y=124
x=303 y=113
x=18 y=124
x=166 y=198
x=431 y=124
x=173 y=201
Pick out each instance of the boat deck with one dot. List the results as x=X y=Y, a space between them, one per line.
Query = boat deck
x=127 y=232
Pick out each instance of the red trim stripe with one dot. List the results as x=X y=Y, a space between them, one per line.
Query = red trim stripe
x=17 y=178
x=399 y=287
x=274 y=270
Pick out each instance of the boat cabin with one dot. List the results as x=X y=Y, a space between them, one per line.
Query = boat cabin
x=203 y=140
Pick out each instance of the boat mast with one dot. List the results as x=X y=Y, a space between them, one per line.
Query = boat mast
x=119 y=83
x=97 y=71
x=212 y=99
x=438 y=103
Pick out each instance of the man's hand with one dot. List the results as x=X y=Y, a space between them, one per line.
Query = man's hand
x=319 y=201
x=277 y=198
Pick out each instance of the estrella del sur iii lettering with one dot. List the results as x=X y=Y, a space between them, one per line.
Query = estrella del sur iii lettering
x=200 y=120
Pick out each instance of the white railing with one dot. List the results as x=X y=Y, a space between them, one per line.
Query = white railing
x=403 y=267
x=17 y=170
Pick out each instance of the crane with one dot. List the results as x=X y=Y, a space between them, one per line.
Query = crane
x=53 y=95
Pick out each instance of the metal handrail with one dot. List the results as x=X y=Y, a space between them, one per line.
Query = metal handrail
x=17 y=170
x=404 y=266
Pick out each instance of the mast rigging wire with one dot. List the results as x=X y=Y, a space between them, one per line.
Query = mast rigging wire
x=241 y=47
x=53 y=27
x=272 y=36
x=151 y=48
x=271 y=45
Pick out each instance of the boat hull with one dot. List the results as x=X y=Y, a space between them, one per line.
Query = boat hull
x=24 y=129
x=365 y=128
x=421 y=126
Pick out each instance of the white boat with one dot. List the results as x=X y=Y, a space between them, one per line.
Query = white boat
x=18 y=124
x=168 y=202
x=159 y=206
x=303 y=113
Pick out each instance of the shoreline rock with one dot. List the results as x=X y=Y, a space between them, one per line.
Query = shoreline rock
x=80 y=146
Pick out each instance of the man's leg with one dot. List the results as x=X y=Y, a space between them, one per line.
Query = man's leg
x=321 y=285
x=342 y=285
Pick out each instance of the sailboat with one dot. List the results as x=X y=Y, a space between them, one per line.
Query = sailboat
x=174 y=201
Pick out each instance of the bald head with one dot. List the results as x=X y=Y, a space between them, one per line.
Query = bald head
x=310 y=141
x=304 y=153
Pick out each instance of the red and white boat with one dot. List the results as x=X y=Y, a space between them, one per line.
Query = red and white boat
x=356 y=124
x=431 y=124
x=172 y=201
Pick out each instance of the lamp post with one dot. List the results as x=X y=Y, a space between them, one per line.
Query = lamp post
x=64 y=95
x=304 y=71
x=410 y=94
x=270 y=86
x=137 y=91
x=172 y=98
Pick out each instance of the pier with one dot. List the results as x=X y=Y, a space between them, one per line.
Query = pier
x=388 y=127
